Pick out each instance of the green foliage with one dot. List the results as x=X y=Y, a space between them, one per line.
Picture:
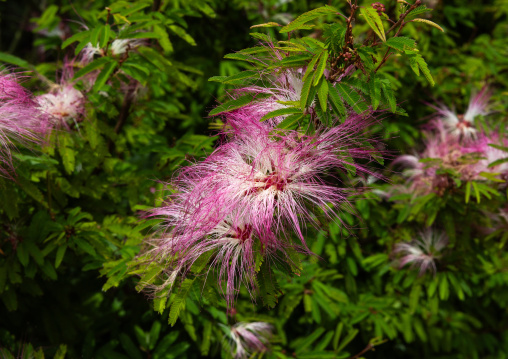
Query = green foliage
x=70 y=269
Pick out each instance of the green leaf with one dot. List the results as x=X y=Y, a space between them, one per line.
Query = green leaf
x=291 y=121
x=310 y=67
x=207 y=336
x=94 y=65
x=266 y=24
x=308 y=16
x=336 y=102
x=183 y=34
x=374 y=21
x=60 y=252
x=320 y=67
x=431 y=23
x=323 y=95
x=240 y=76
x=349 y=337
x=163 y=38
x=422 y=9
x=48 y=269
x=14 y=60
x=104 y=35
x=76 y=37
x=129 y=346
x=307 y=342
x=233 y=104
x=268 y=286
x=389 y=95
x=66 y=149
x=337 y=335
x=22 y=254
x=179 y=302
x=304 y=95
x=104 y=76
x=498 y=162
x=468 y=192
x=281 y=112
x=155 y=58
x=417 y=63
x=401 y=43
x=31 y=190
x=351 y=97
x=375 y=91
x=84 y=245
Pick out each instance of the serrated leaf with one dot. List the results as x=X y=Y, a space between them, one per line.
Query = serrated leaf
x=320 y=67
x=310 y=66
x=281 y=112
x=352 y=98
x=179 y=302
x=240 y=76
x=266 y=24
x=291 y=121
x=401 y=43
x=308 y=16
x=323 y=95
x=268 y=286
x=336 y=102
x=389 y=94
x=304 y=95
x=431 y=23
x=374 y=21
x=422 y=9
x=232 y=104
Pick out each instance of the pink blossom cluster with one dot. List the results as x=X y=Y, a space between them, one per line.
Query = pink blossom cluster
x=21 y=121
x=27 y=120
x=254 y=196
x=455 y=146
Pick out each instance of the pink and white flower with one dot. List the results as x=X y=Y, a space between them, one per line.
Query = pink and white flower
x=422 y=252
x=21 y=121
x=246 y=339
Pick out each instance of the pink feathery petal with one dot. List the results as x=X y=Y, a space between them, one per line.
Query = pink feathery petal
x=478 y=105
x=21 y=122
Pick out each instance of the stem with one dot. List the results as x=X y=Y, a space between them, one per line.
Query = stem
x=400 y=23
x=366 y=349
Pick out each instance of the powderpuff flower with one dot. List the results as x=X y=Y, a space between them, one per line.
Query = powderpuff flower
x=274 y=181
x=20 y=119
x=63 y=105
x=231 y=242
x=422 y=252
x=463 y=126
x=250 y=195
x=246 y=339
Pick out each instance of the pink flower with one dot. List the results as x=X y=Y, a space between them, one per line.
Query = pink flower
x=246 y=339
x=21 y=122
x=463 y=126
x=63 y=105
x=255 y=192
x=422 y=252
